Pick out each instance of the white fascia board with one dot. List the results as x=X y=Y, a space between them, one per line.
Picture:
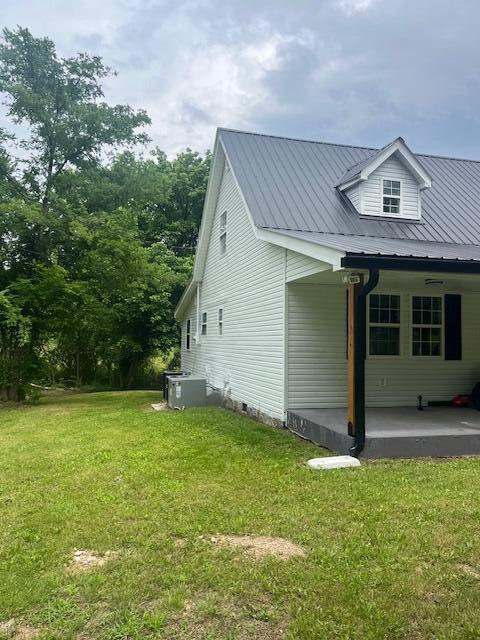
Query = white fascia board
x=422 y=176
x=210 y=204
x=333 y=257
x=209 y=207
x=185 y=299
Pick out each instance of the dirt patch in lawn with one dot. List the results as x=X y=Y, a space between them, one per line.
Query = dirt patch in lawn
x=24 y=632
x=85 y=560
x=213 y=615
x=470 y=571
x=10 y=629
x=261 y=546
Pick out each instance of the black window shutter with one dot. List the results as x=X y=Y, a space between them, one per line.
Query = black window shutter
x=453 y=326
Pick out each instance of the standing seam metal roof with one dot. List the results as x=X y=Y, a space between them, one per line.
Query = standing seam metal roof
x=289 y=185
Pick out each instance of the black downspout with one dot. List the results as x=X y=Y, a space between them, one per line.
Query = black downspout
x=360 y=353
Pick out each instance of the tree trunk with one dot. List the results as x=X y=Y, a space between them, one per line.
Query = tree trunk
x=78 y=375
x=132 y=370
x=127 y=370
x=12 y=365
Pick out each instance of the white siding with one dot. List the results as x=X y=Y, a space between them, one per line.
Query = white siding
x=355 y=197
x=188 y=360
x=300 y=266
x=391 y=169
x=249 y=283
x=317 y=367
x=317 y=355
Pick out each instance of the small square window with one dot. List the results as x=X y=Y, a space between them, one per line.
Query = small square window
x=220 y=322
x=391 y=197
x=204 y=323
x=188 y=335
x=223 y=233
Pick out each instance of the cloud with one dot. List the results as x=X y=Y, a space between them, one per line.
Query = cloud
x=350 y=7
x=354 y=71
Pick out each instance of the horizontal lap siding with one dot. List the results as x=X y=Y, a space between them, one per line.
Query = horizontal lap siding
x=187 y=356
x=300 y=266
x=249 y=283
x=354 y=195
x=317 y=366
x=317 y=355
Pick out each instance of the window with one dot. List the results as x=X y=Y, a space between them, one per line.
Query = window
x=204 y=323
x=391 y=197
x=384 y=329
x=220 y=322
x=223 y=233
x=426 y=325
x=187 y=335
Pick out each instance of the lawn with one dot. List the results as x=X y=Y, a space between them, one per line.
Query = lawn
x=392 y=549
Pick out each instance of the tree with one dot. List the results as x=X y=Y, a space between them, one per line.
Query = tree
x=59 y=99
x=95 y=247
x=167 y=194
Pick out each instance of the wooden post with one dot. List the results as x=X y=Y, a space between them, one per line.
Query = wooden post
x=352 y=336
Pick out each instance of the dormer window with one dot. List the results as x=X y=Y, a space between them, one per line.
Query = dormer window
x=387 y=183
x=391 y=197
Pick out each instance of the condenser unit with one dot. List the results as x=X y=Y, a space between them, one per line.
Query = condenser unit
x=186 y=391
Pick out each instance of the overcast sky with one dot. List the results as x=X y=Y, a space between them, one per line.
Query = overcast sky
x=352 y=71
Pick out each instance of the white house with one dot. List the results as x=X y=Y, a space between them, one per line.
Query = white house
x=333 y=282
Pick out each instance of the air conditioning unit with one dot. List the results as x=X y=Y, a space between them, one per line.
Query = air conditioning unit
x=186 y=391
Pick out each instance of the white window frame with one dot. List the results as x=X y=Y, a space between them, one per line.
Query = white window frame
x=204 y=323
x=385 y=324
x=222 y=237
x=188 y=334
x=399 y=198
x=221 y=318
x=413 y=326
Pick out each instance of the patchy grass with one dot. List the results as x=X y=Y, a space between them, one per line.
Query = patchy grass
x=391 y=550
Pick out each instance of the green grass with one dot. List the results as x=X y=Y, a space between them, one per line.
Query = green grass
x=393 y=548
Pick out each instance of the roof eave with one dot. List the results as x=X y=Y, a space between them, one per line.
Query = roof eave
x=185 y=298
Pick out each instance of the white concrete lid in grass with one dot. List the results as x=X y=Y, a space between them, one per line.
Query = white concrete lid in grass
x=159 y=406
x=333 y=462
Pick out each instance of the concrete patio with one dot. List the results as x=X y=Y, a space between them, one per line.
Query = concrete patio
x=394 y=432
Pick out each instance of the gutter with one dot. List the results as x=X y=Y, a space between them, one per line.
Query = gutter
x=440 y=265
x=359 y=365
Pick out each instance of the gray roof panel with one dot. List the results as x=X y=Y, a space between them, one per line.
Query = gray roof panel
x=389 y=247
x=290 y=184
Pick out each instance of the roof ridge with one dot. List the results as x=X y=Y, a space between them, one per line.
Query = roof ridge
x=271 y=135
x=341 y=144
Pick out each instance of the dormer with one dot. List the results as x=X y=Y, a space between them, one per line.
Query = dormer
x=387 y=184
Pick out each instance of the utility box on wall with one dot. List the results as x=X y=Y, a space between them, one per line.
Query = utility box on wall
x=186 y=391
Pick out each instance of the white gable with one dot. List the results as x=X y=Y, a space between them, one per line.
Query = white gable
x=367 y=196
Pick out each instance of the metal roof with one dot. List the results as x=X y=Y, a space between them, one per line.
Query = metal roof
x=366 y=245
x=289 y=185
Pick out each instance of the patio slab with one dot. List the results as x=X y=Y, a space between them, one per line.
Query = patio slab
x=394 y=432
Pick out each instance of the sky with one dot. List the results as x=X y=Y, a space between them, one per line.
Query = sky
x=357 y=72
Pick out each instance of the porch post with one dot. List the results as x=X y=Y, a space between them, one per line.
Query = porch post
x=356 y=359
x=353 y=290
